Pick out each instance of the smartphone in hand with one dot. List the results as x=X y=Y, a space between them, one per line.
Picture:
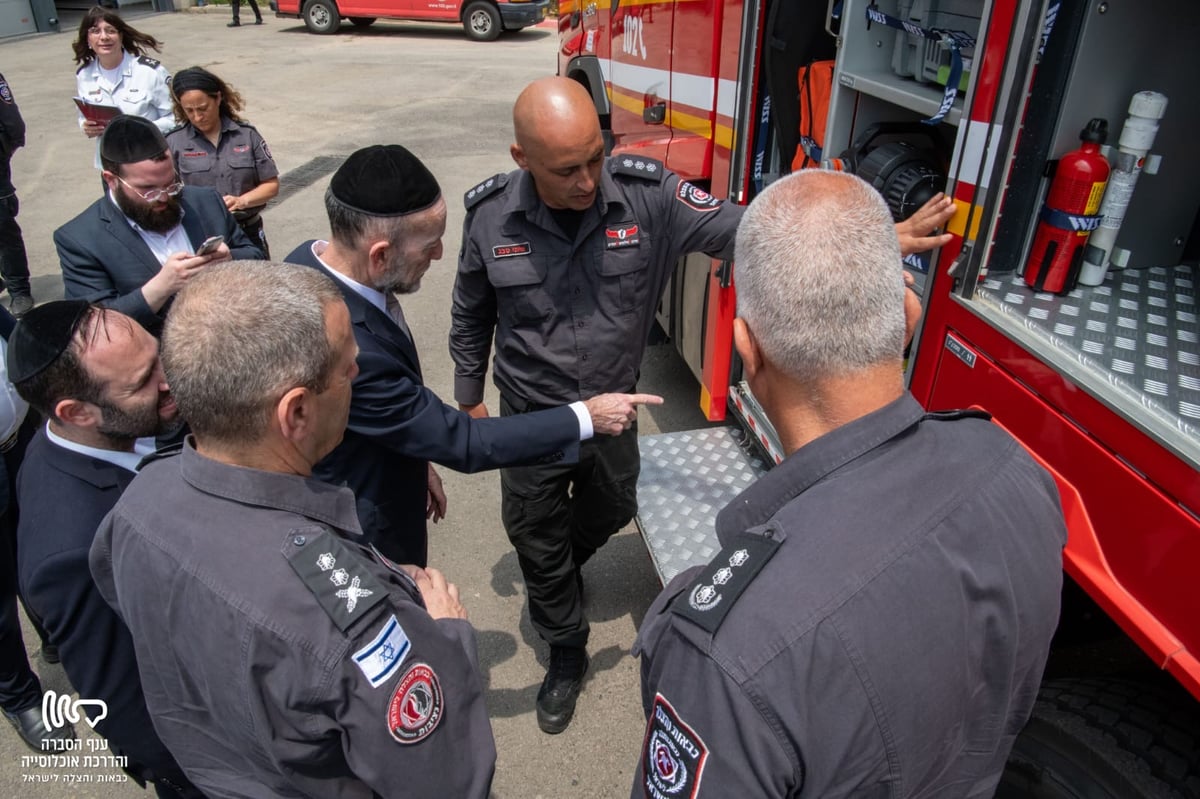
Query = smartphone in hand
x=210 y=245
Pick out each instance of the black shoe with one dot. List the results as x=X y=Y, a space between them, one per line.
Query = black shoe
x=50 y=654
x=258 y=21
x=560 y=690
x=234 y=24
x=33 y=731
x=20 y=304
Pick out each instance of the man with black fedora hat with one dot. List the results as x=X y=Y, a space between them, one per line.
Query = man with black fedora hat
x=94 y=374
x=136 y=246
x=386 y=219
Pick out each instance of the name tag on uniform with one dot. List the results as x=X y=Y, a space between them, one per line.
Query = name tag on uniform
x=194 y=154
x=620 y=236
x=509 y=250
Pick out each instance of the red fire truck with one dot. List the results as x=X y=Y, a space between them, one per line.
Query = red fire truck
x=482 y=20
x=1101 y=382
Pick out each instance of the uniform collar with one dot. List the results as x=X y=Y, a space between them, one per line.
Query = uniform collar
x=227 y=126
x=523 y=200
x=813 y=462
x=127 y=59
x=333 y=505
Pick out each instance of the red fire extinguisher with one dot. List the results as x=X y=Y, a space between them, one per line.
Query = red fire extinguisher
x=1070 y=214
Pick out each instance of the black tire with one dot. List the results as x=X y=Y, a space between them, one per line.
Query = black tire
x=321 y=16
x=481 y=21
x=362 y=22
x=1105 y=739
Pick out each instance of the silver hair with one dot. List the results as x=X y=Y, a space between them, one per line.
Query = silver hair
x=818 y=275
x=240 y=335
x=354 y=229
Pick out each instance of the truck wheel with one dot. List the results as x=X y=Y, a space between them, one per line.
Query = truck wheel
x=1104 y=739
x=481 y=21
x=362 y=22
x=321 y=16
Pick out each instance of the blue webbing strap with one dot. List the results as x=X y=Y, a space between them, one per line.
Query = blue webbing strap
x=760 y=145
x=954 y=41
x=1080 y=223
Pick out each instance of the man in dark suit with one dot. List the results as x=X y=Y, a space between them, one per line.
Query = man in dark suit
x=135 y=247
x=20 y=688
x=386 y=219
x=95 y=375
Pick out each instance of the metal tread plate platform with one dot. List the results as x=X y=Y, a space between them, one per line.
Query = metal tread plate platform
x=686 y=478
x=1133 y=342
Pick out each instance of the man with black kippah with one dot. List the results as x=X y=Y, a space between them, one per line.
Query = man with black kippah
x=94 y=374
x=135 y=247
x=386 y=219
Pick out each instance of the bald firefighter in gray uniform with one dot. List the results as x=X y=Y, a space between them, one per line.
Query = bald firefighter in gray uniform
x=878 y=620
x=564 y=260
x=278 y=655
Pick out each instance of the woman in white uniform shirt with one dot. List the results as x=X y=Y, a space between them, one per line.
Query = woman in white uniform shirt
x=115 y=70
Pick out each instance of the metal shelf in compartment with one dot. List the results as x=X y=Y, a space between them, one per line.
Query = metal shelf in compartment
x=1133 y=342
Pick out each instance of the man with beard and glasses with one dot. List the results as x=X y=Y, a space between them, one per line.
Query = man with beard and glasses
x=94 y=374
x=135 y=247
x=386 y=220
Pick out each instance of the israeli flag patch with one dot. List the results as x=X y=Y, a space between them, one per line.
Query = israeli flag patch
x=383 y=655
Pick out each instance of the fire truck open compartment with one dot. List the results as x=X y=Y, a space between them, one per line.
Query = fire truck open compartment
x=1132 y=342
x=1101 y=382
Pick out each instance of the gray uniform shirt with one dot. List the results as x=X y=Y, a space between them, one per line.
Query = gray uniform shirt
x=571 y=318
x=240 y=162
x=876 y=625
x=278 y=660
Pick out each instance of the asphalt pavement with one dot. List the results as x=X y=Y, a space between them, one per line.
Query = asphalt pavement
x=316 y=99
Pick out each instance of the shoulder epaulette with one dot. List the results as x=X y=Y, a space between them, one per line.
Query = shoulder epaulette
x=160 y=454
x=636 y=166
x=709 y=598
x=148 y=61
x=484 y=190
x=339 y=579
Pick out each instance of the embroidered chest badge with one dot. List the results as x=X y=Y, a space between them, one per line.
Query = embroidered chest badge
x=509 y=250
x=620 y=236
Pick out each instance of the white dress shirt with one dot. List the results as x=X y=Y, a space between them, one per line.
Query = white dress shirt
x=125 y=460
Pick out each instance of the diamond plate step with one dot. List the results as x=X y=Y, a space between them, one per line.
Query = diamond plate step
x=686 y=478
